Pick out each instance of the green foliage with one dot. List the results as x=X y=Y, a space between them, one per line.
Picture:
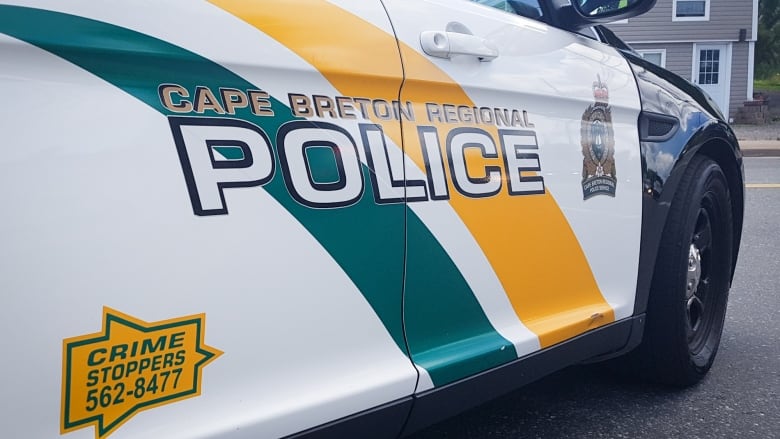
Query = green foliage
x=772 y=83
x=768 y=44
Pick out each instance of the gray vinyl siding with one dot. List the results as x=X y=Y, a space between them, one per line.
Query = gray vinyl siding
x=678 y=56
x=727 y=17
x=739 y=77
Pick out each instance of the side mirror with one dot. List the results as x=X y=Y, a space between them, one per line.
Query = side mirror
x=586 y=13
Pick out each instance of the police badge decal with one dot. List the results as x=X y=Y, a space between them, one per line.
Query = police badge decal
x=598 y=146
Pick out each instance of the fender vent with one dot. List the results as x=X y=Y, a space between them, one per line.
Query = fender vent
x=659 y=128
x=654 y=127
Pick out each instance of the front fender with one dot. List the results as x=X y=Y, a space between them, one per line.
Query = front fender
x=678 y=121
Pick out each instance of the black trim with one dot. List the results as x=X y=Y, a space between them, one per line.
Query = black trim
x=608 y=37
x=427 y=408
x=443 y=402
x=634 y=339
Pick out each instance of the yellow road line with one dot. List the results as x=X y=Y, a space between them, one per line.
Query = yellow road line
x=762 y=185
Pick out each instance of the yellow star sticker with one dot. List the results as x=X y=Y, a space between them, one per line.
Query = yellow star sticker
x=130 y=366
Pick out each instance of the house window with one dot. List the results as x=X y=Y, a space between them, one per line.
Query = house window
x=709 y=66
x=656 y=56
x=691 y=10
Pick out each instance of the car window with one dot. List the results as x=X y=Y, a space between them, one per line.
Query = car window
x=526 y=8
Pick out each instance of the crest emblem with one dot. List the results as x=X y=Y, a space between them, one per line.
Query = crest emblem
x=598 y=146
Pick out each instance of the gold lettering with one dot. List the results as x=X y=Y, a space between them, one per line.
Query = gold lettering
x=324 y=105
x=345 y=107
x=232 y=98
x=166 y=92
x=205 y=100
x=300 y=105
x=261 y=105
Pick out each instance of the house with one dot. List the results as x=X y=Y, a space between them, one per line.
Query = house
x=711 y=42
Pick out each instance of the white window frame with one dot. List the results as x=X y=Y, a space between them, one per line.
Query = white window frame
x=706 y=16
x=661 y=51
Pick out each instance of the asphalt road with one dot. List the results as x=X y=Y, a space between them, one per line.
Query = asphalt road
x=740 y=398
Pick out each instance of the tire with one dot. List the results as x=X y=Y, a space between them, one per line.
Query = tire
x=690 y=286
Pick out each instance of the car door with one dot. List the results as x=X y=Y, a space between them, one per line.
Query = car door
x=209 y=240
x=525 y=138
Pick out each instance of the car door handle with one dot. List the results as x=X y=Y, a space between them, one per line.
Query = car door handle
x=446 y=44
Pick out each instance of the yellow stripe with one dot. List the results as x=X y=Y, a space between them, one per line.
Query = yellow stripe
x=527 y=240
x=762 y=185
x=329 y=38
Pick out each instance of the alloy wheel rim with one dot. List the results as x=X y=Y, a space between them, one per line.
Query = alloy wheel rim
x=698 y=302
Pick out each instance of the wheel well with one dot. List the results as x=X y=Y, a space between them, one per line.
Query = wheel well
x=724 y=155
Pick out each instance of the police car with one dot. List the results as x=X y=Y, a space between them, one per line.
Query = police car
x=345 y=218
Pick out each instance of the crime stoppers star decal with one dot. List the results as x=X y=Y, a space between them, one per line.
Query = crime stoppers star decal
x=130 y=366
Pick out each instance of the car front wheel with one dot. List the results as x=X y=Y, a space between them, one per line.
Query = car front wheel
x=687 y=304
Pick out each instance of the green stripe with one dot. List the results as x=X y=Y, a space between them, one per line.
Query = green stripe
x=448 y=332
